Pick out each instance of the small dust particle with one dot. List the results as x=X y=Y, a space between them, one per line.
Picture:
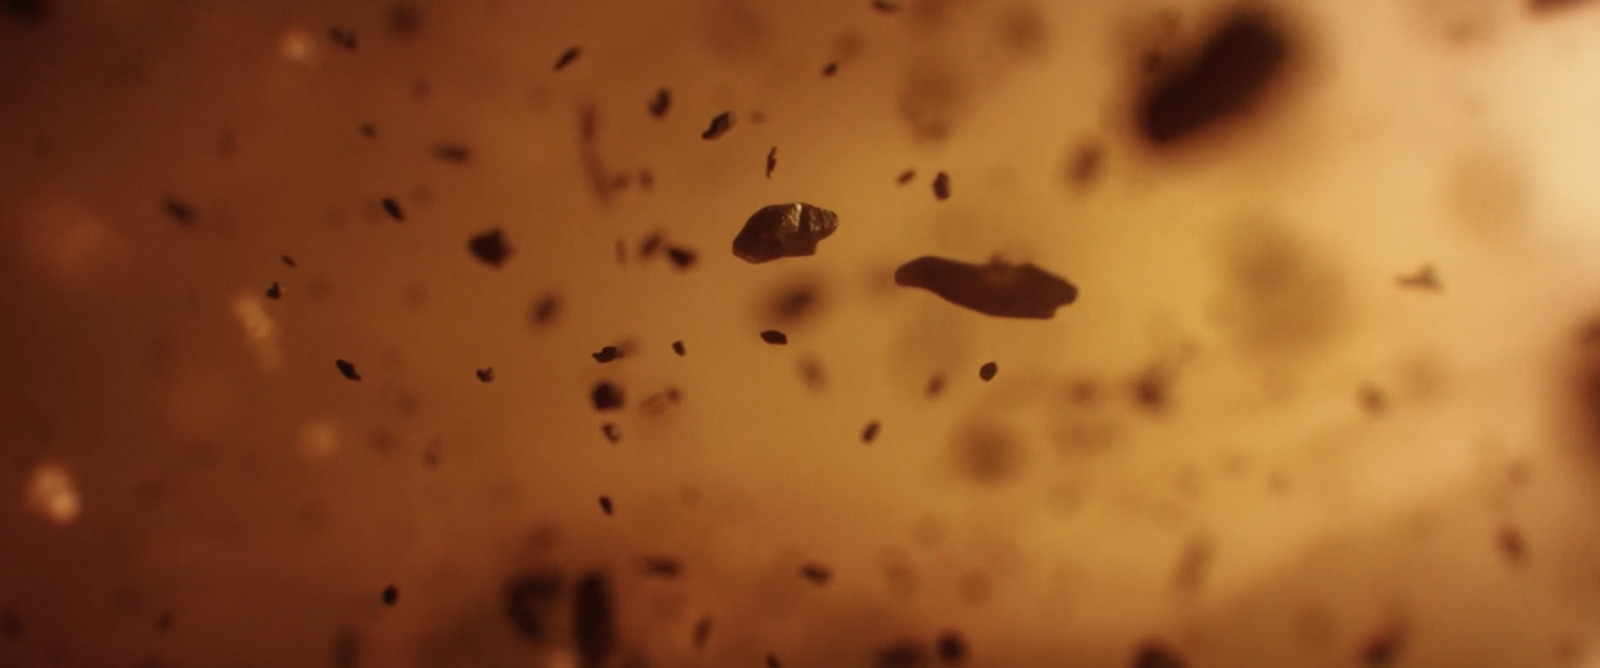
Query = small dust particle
x=830 y=69
x=607 y=354
x=988 y=370
x=1512 y=544
x=935 y=385
x=274 y=291
x=1372 y=399
x=719 y=126
x=606 y=396
x=490 y=247
x=951 y=647
x=816 y=573
x=287 y=261
x=486 y=374
x=941 y=186
x=772 y=160
x=567 y=57
x=180 y=211
x=774 y=337
x=460 y=154
x=681 y=258
x=347 y=369
x=545 y=309
x=702 y=632
x=661 y=103
x=612 y=431
x=391 y=595
x=869 y=433
x=1425 y=278
x=677 y=347
x=605 y=504
x=343 y=37
x=391 y=207
x=906 y=177
x=369 y=131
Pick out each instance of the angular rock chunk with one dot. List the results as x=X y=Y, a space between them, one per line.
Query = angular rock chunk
x=999 y=288
x=784 y=230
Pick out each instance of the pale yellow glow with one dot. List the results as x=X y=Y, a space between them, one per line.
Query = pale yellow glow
x=260 y=330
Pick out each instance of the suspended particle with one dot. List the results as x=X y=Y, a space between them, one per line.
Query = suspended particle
x=782 y=231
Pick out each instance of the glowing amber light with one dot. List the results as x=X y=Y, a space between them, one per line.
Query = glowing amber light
x=52 y=495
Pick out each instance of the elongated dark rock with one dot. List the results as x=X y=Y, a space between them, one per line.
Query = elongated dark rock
x=998 y=288
x=784 y=230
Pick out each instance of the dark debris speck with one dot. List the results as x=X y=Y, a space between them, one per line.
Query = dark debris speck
x=391 y=595
x=274 y=291
x=404 y=19
x=1372 y=399
x=816 y=573
x=1156 y=655
x=287 y=261
x=1425 y=278
x=459 y=154
x=164 y=621
x=988 y=370
x=1226 y=76
x=607 y=354
x=678 y=347
x=567 y=57
x=347 y=648
x=369 y=131
x=545 y=309
x=774 y=337
x=720 y=125
x=905 y=177
x=1383 y=648
x=490 y=247
x=526 y=597
x=392 y=207
x=605 y=505
x=1511 y=543
x=32 y=12
x=661 y=103
x=486 y=374
x=869 y=433
x=941 y=186
x=606 y=396
x=347 y=369
x=663 y=567
x=779 y=231
x=180 y=212
x=702 y=632
x=342 y=37
x=681 y=258
x=772 y=160
x=951 y=647
x=887 y=6
x=772 y=661
x=612 y=432
x=830 y=69
x=935 y=385
x=997 y=288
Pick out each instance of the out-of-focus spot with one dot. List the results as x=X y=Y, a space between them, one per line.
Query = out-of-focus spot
x=260 y=330
x=735 y=32
x=297 y=46
x=932 y=100
x=51 y=494
x=1487 y=191
x=1228 y=76
x=1022 y=29
x=71 y=245
x=1286 y=296
x=988 y=454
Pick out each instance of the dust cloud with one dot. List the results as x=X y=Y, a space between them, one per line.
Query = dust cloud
x=410 y=333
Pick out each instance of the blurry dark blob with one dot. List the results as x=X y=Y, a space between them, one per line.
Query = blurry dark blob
x=999 y=288
x=612 y=432
x=647 y=180
x=784 y=230
x=1194 y=564
x=421 y=89
x=812 y=374
x=391 y=207
x=1384 y=647
x=486 y=374
x=593 y=628
x=1537 y=6
x=663 y=567
x=347 y=369
x=935 y=385
x=431 y=453
x=545 y=310
x=988 y=370
x=490 y=247
x=288 y=261
x=607 y=354
x=651 y=244
x=1372 y=400
x=1150 y=388
x=1084 y=167
x=1512 y=545
x=567 y=57
x=903 y=654
x=10 y=625
x=774 y=337
x=1425 y=278
x=794 y=302
x=677 y=347
x=887 y=6
x=951 y=647
x=369 y=131
x=772 y=160
x=346 y=648
x=526 y=597
x=1228 y=75
x=941 y=186
x=1154 y=655
x=28 y=11
x=179 y=211
x=869 y=433
x=404 y=19
x=164 y=622
x=816 y=573
x=606 y=396
x=702 y=632
x=905 y=177
x=274 y=291
x=830 y=69
x=460 y=154
x=661 y=103
x=391 y=595
x=659 y=402
x=772 y=661
x=342 y=37
x=719 y=126
x=619 y=182
x=605 y=505
x=681 y=258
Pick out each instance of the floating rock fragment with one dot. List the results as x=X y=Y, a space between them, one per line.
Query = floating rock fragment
x=998 y=288
x=784 y=230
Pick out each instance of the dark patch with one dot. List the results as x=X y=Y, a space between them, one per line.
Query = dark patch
x=816 y=573
x=391 y=207
x=612 y=432
x=1156 y=655
x=10 y=625
x=679 y=349
x=490 y=247
x=772 y=160
x=782 y=231
x=1511 y=543
x=999 y=288
x=903 y=654
x=941 y=186
x=605 y=505
x=1289 y=298
x=905 y=177
x=812 y=374
x=669 y=568
x=988 y=454
x=342 y=37
x=720 y=125
x=593 y=626
x=1152 y=389
x=404 y=19
x=1372 y=400
x=930 y=101
x=1383 y=648
x=459 y=154
x=274 y=291
x=391 y=595
x=988 y=370
x=830 y=69
x=794 y=302
x=606 y=396
x=164 y=622
x=346 y=648
x=651 y=245
x=607 y=354
x=869 y=433
x=347 y=369
x=1194 y=563
x=774 y=337
x=1230 y=73
x=1424 y=278
x=1022 y=29
x=887 y=6
x=31 y=12
x=772 y=661
x=181 y=212
x=1085 y=163
x=702 y=632
x=681 y=258
x=950 y=647
x=935 y=385
x=287 y=261
x=567 y=57
x=661 y=103
x=369 y=131
x=526 y=597
x=431 y=454
x=486 y=374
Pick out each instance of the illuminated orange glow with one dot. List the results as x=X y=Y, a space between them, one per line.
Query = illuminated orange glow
x=52 y=495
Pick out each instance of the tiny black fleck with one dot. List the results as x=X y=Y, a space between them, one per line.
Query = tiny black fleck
x=887 y=6
x=869 y=433
x=605 y=505
x=391 y=595
x=941 y=186
x=677 y=347
x=935 y=385
x=606 y=396
x=347 y=369
x=180 y=211
x=369 y=131
x=661 y=103
x=486 y=374
x=988 y=370
x=772 y=661
x=774 y=337
x=391 y=207
x=830 y=69
x=1153 y=655
x=460 y=154
x=816 y=573
x=490 y=247
x=545 y=309
x=607 y=354
x=702 y=632
x=772 y=160
x=682 y=258
x=719 y=126
x=906 y=176
x=274 y=292
x=951 y=647
x=288 y=261
x=567 y=57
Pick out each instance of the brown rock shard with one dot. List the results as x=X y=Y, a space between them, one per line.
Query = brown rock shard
x=784 y=230
x=998 y=288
